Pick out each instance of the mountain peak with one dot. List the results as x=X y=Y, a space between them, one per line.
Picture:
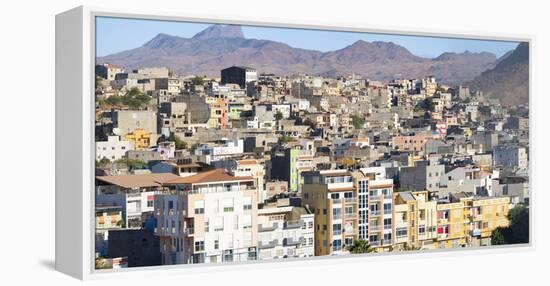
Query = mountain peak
x=220 y=31
x=161 y=41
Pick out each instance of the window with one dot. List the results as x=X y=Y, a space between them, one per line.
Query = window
x=337 y=245
x=349 y=211
x=387 y=238
x=150 y=204
x=199 y=245
x=199 y=207
x=216 y=244
x=247 y=203
x=206 y=226
x=337 y=229
x=401 y=232
x=387 y=208
x=227 y=209
x=310 y=224
x=335 y=196
x=324 y=211
x=421 y=229
x=387 y=223
x=336 y=213
x=247 y=221
x=348 y=241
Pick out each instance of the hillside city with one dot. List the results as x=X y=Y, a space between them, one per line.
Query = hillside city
x=250 y=166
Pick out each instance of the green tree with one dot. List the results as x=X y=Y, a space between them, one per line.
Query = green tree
x=135 y=99
x=98 y=81
x=180 y=144
x=278 y=115
x=132 y=164
x=285 y=139
x=103 y=162
x=357 y=121
x=360 y=246
x=518 y=229
x=113 y=100
x=198 y=80
x=497 y=236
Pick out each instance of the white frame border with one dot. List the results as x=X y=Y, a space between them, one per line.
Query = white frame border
x=86 y=254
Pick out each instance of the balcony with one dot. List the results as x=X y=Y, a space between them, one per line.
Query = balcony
x=350 y=200
x=351 y=216
x=374 y=198
x=375 y=243
x=189 y=231
x=387 y=212
x=270 y=244
x=336 y=201
x=291 y=242
x=374 y=213
x=375 y=228
x=387 y=226
x=292 y=224
x=262 y=228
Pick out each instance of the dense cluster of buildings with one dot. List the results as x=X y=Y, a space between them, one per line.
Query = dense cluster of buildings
x=254 y=166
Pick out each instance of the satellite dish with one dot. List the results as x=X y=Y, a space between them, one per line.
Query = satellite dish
x=116 y=131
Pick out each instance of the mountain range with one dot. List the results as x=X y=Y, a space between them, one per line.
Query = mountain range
x=509 y=79
x=221 y=46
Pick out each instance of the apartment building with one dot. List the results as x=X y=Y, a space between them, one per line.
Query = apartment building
x=208 y=217
x=467 y=220
x=413 y=142
x=112 y=149
x=133 y=193
x=486 y=214
x=288 y=164
x=285 y=231
x=332 y=197
x=415 y=220
x=374 y=194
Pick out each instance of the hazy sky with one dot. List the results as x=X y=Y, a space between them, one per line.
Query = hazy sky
x=117 y=34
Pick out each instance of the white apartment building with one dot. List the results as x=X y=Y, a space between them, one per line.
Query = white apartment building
x=209 y=217
x=216 y=152
x=285 y=231
x=112 y=149
x=375 y=207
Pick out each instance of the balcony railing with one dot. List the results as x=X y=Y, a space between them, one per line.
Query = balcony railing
x=262 y=228
x=375 y=227
x=387 y=226
x=374 y=198
x=375 y=243
x=350 y=200
x=351 y=215
x=293 y=224
x=290 y=242
x=270 y=244
x=374 y=213
x=387 y=211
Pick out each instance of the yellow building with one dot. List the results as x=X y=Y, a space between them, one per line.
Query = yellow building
x=486 y=214
x=469 y=221
x=415 y=220
x=140 y=137
x=332 y=197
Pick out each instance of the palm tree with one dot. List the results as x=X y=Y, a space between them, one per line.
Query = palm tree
x=360 y=246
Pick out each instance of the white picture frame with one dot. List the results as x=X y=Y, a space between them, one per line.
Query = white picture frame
x=74 y=122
